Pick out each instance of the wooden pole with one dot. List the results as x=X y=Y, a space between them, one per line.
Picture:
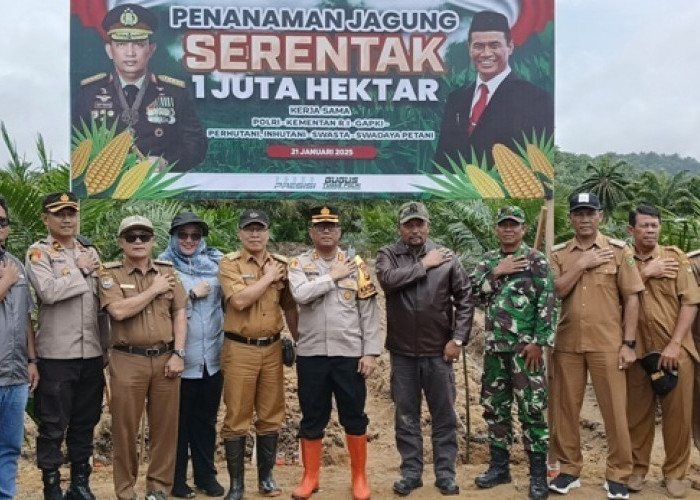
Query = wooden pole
x=541 y=223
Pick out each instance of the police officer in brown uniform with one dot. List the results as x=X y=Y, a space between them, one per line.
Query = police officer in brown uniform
x=255 y=288
x=147 y=304
x=596 y=279
x=667 y=310
x=68 y=400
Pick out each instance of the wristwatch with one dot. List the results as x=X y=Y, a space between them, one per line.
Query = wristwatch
x=630 y=343
x=193 y=295
x=179 y=353
x=458 y=342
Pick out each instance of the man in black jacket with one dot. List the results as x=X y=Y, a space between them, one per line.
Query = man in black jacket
x=496 y=108
x=429 y=316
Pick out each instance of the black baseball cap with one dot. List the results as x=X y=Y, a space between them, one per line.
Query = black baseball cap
x=662 y=380
x=584 y=200
x=253 y=217
x=184 y=218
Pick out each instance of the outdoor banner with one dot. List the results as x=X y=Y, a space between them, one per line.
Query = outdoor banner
x=314 y=99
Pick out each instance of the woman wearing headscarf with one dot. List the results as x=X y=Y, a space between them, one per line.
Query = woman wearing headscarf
x=202 y=381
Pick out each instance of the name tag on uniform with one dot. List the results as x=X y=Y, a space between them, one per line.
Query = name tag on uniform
x=248 y=276
x=127 y=286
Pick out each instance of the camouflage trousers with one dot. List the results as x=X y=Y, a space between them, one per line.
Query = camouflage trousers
x=505 y=378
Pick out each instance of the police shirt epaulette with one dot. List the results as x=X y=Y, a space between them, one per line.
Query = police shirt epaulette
x=693 y=253
x=281 y=258
x=558 y=247
x=232 y=255
x=171 y=80
x=112 y=265
x=617 y=243
x=163 y=262
x=93 y=78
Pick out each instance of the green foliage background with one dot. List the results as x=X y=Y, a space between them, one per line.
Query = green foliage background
x=464 y=225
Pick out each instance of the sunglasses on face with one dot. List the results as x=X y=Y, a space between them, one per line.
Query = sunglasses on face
x=143 y=237
x=183 y=236
x=4 y=222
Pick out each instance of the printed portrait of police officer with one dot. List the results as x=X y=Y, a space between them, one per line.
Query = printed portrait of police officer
x=157 y=108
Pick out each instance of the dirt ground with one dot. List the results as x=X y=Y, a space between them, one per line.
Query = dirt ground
x=383 y=458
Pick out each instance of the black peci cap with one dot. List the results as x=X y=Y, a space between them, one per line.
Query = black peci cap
x=487 y=20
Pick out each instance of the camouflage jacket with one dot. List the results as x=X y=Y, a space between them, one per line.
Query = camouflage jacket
x=520 y=308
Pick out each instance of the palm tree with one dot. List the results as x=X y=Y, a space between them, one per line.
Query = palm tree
x=670 y=193
x=608 y=180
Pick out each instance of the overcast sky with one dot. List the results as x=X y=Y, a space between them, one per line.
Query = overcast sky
x=627 y=76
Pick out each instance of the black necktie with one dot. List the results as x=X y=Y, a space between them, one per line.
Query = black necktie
x=130 y=92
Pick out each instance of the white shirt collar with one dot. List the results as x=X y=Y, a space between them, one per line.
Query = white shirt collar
x=139 y=82
x=492 y=84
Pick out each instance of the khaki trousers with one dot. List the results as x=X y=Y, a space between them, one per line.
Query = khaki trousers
x=137 y=381
x=676 y=411
x=569 y=386
x=696 y=396
x=253 y=381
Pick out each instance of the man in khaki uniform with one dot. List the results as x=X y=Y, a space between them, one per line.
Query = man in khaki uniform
x=146 y=303
x=68 y=399
x=667 y=310
x=255 y=288
x=596 y=279
x=694 y=257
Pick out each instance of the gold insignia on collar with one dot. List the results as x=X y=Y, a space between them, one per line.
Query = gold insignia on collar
x=56 y=245
x=65 y=271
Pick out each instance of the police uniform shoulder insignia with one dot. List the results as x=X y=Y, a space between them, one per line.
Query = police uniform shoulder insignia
x=233 y=255
x=558 y=247
x=112 y=265
x=34 y=254
x=171 y=81
x=163 y=262
x=617 y=243
x=281 y=258
x=93 y=78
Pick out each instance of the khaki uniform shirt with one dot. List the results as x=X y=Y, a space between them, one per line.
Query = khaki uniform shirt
x=263 y=318
x=153 y=326
x=332 y=320
x=591 y=315
x=662 y=300
x=68 y=301
x=694 y=258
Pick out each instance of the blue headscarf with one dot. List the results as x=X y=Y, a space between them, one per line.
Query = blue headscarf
x=203 y=262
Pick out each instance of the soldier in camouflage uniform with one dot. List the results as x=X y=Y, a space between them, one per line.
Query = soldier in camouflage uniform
x=516 y=287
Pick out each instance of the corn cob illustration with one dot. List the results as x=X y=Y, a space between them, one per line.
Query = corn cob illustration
x=518 y=179
x=131 y=180
x=485 y=185
x=105 y=168
x=539 y=161
x=79 y=158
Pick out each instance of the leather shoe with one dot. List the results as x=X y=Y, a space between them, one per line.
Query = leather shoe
x=405 y=485
x=675 y=488
x=211 y=488
x=635 y=482
x=695 y=484
x=447 y=486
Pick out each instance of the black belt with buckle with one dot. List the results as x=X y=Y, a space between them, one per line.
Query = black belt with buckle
x=260 y=342
x=146 y=351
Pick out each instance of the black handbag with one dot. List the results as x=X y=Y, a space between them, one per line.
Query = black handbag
x=289 y=354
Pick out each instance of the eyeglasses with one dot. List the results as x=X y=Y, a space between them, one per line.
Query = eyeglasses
x=192 y=236
x=325 y=226
x=254 y=229
x=65 y=214
x=4 y=222
x=131 y=238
